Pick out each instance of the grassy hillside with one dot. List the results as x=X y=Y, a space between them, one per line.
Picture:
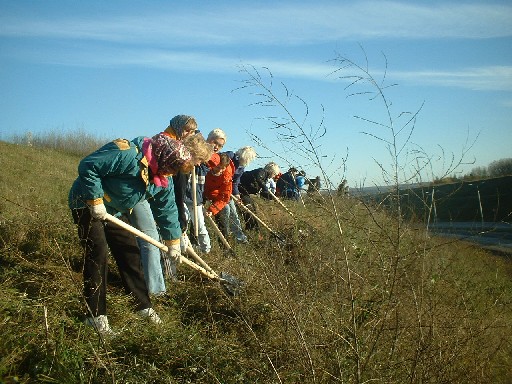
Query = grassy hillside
x=353 y=295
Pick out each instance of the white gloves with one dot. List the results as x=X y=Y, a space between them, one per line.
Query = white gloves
x=184 y=243
x=98 y=211
x=174 y=252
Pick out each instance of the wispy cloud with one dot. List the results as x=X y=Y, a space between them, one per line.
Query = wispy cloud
x=489 y=78
x=486 y=78
x=289 y=24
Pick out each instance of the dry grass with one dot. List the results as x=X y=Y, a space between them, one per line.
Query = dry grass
x=415 y=311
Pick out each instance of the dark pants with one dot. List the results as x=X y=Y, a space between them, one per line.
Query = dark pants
x=96 y=237
x=250 y=221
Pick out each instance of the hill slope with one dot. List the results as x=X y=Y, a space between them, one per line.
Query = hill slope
x=351 y=295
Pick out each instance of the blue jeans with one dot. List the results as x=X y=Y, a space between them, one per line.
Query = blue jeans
x=203 y=237
x=230 y=221
x=141 y=217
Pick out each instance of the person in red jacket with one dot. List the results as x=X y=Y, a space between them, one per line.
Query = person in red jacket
x=218 y=187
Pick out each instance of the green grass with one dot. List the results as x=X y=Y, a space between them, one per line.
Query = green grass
x=377 y=301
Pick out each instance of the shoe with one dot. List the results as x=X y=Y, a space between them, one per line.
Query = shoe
x=100 y=324
x=151 y=315
x=242 y=239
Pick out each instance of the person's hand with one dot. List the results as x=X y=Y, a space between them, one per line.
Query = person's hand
x=174 y=250
x=184 y=242
x=98 y=211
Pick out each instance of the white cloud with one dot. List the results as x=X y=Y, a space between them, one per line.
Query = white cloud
x=495 y=78
x=498 y=78
x=288 y=24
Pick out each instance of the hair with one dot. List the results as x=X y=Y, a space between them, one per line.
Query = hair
x=224 y=160
x=216 y=133
x=272 y=169
x=200 y=150
x=246 y=155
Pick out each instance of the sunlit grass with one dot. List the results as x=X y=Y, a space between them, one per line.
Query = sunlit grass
x=430 y=311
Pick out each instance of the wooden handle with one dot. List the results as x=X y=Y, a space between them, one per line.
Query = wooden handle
x=217 y=230
x=158 y=244
x=281 y=203
x=194 y=202
x=239 y=202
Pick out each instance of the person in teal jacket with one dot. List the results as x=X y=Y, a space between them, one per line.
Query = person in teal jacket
x=114 y=179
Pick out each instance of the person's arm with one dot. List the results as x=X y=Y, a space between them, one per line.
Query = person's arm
x=165 y=212
x=180 y=189
x=114 y=158
x=261 y=179
x=236 y=180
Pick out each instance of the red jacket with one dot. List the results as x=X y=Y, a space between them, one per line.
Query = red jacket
x=218 y=189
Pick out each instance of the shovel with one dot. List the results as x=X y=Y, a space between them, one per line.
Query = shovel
x=239 y=202
x=281 y=204
x=230 y=284
x=219 y=233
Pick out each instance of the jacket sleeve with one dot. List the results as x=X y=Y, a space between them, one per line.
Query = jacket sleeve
x=236 y=180
x=109 y=160
x=222 y=194
x=180 y=189
x=165 y=212
x=261 y=179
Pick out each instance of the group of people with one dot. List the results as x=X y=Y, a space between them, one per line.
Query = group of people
x=147 y=183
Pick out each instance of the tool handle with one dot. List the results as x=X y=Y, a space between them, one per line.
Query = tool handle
x=217 y=230
x=239 y=202
x=194 y=203
x=280 y=203
x=158 y=244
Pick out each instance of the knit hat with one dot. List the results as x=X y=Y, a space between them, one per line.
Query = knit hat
x=217 y=133
x=165 y=157
x=178 y=123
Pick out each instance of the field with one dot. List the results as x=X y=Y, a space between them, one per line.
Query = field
x=353 y=295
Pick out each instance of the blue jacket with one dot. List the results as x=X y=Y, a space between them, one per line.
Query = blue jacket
x=239 y=170
x=118 y=172
x=290 y=186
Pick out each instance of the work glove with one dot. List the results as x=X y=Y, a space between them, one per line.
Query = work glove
x=97 y=209
x=174 y=250
x=184 y=242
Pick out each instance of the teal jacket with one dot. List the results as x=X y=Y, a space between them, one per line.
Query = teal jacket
x=118 y=172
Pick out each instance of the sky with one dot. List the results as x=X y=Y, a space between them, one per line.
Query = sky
x=358 y=88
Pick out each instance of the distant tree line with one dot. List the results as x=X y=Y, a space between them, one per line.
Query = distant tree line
x=497 y=168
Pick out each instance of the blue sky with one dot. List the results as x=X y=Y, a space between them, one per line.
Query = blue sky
x=124 y=68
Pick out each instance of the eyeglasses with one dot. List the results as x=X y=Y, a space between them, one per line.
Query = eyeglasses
x=218 y=143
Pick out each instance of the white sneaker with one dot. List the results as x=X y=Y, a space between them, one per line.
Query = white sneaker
x=100 y=324
x=151 y=315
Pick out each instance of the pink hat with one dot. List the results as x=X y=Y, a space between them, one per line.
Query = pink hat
x=169 y=154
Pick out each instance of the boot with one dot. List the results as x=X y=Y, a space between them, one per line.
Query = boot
x=100 y=324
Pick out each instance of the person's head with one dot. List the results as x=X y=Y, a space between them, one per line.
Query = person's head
x=199 y=149
x=182 y=126
x=292 y=170
x=246 y=155
x=168 y=156
x=272 y=169
x=218 y=163
x=217 y=137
